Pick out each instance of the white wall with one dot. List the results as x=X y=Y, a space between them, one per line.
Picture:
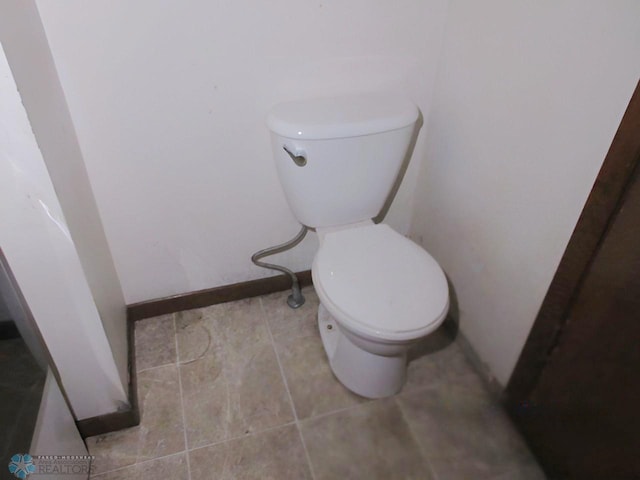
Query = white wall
x=528 y=98
x=56 y=433
x=17 y=313
x=27 y=50
x=41 y=255
x=169 y=100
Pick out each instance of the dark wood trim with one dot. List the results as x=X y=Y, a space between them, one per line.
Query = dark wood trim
x=599 y=210
x=89 y=427
x=212 y=296
x=130 y=417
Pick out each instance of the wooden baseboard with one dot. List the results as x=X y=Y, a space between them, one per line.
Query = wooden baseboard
x=212 y=296
x=111 y=422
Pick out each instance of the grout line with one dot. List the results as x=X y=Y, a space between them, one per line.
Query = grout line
x=186 y=450
x=415 y=438
x=184 y=420
x=133 y=465
x=155 y=367
x=241 y=436
x=286 y=386
x=296 y=420
x=340 y=410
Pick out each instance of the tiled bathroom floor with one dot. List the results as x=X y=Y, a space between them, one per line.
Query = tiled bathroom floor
x=243 y=390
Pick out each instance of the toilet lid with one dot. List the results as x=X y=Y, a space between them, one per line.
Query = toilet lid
x=380 y=281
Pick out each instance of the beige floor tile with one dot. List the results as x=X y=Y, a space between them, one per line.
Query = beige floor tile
x=463 y=432
x=160 y=432
x=370 y=441
x=126 y=473
x=173 y=467
x=167 y=468
x=286 y=323
x=313 y=387
x=524 y=471
x=161 y=427
x=232 y=326
x=276 y=454
x=206 y=401
x=437 y=360
x=225 y=397
x=230 y=376
x=239 y=420
x=114 y=450
x=155 y=342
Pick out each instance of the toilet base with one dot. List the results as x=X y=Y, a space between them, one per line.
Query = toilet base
x=364 y=373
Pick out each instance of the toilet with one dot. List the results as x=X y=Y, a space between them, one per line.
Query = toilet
x=338 y=160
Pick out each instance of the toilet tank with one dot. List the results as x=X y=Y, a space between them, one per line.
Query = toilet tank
x=338 y=158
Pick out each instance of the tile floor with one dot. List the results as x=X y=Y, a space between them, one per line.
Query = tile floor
x=243 y=390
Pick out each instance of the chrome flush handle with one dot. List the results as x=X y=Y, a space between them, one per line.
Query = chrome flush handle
x=299 y=159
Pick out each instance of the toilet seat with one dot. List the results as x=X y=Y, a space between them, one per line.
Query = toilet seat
x=380 y=284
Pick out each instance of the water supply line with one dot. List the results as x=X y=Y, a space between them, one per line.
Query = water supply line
x=296 y=299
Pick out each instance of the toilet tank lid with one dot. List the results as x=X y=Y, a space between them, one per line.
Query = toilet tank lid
x=340 y=117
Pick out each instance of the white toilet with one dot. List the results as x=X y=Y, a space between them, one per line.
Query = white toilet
x=338 y=159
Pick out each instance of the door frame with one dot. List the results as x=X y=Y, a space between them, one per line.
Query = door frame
x=592 y=227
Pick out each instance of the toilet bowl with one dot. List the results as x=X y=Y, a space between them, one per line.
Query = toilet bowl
x=379 y=294
x=337 y=160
